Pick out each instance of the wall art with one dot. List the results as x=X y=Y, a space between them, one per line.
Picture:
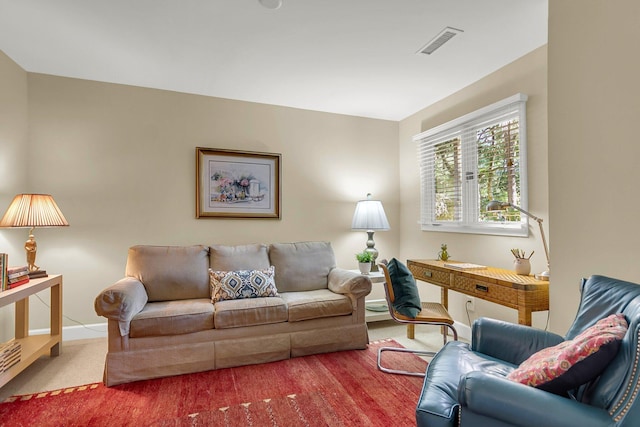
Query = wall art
x=237 y=184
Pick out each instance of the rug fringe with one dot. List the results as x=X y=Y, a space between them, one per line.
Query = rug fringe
x=62 y=391
x=382 y=341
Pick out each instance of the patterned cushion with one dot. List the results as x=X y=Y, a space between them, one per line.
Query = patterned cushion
x=572 y=363
x=226 y=285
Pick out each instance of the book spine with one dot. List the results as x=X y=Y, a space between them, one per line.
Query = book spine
x=19 y=278
x=11 y=271
x=17 y=274
x=18 y=283
x=3 y=272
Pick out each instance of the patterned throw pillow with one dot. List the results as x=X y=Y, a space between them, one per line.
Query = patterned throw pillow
x=572 y=363
x=226 y=285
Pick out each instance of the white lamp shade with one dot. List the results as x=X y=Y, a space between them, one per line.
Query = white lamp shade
x=369 y=215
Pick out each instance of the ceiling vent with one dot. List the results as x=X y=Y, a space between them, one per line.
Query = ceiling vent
x=445 y=35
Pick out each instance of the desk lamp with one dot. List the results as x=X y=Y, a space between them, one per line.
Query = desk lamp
x=31 y=211
x=495 y=205
x=370 y=216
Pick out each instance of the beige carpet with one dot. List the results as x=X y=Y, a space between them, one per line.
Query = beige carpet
x=82 y=361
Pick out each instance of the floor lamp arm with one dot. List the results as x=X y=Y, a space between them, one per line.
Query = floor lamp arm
x=539 y=221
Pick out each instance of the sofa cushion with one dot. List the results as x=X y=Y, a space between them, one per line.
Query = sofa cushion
x=406 y=299
x=302 y=266
x=226 y=285
x=572 y=363
x=316 y=304
x=172 y=318
x=170 y=272
x=249 y=312
x=240 y=257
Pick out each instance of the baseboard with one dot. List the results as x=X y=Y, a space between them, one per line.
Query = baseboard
x=71 y=333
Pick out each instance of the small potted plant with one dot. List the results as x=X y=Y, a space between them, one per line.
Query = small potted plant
x=364 y=261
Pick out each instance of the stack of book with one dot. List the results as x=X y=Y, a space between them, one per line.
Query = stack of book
x=17 y=276
x=4 y=280
x=10 y=353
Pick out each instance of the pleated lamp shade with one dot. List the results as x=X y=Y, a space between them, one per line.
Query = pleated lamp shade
x=369 y=215
x=33 y=210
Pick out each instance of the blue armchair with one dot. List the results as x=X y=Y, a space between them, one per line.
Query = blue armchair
x=466 y=385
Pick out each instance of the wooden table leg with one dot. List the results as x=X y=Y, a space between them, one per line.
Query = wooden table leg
x=524 y=316
x=411 y=331
x=22 y=318
x=56 y=317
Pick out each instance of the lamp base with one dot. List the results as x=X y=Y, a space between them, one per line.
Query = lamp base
x=543 y=276
x=371 y=248
x=31 y=248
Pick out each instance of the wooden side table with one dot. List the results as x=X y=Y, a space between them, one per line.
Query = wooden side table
x=33 y=346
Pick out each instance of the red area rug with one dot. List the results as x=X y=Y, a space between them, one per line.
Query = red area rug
x=334 y=389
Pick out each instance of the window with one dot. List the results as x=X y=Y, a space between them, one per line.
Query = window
x=466 y=163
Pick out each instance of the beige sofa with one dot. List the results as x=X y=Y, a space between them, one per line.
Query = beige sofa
x=161 y=319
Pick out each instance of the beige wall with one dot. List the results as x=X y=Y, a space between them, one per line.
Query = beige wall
x=120 y=162
x=594 y=92
x=527 y=75
x=13 y=163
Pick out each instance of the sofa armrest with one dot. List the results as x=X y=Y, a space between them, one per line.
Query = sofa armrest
x=510 y=342
x=343 y=281
x=512 y=403
x=121 y=301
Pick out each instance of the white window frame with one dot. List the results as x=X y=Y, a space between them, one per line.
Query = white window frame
x=469 y=223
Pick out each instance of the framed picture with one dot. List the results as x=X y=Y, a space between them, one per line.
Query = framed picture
x=237 y=184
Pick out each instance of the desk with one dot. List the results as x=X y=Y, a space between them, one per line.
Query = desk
x=33 y=346
x=523 y=293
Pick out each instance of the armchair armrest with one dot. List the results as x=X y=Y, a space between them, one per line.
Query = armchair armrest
x=508 y=341
x=343 y=281
x=121 y=301
x=512 y=403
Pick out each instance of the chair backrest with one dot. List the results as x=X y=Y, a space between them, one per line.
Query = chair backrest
x=388 y=291
x=617 y=388
x=388 y=286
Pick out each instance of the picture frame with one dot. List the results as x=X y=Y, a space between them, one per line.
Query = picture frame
x=237 y=184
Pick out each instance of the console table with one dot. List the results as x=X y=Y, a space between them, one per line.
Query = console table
x=33 y=346
x=523 y=293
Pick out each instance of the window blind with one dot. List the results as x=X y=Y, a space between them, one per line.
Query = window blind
x=470 y=161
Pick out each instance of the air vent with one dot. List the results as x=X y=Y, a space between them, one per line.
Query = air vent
x=445 y=35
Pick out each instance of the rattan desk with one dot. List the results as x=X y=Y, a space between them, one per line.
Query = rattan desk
x=523 y=293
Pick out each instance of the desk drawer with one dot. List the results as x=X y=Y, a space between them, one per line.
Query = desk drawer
x=430 y=275
x=487 y=291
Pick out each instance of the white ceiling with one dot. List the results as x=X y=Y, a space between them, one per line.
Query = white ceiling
x=355 y=57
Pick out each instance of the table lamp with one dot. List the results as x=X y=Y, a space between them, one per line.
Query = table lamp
x=370 y=216
x=495 y=205
x=31 y=211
